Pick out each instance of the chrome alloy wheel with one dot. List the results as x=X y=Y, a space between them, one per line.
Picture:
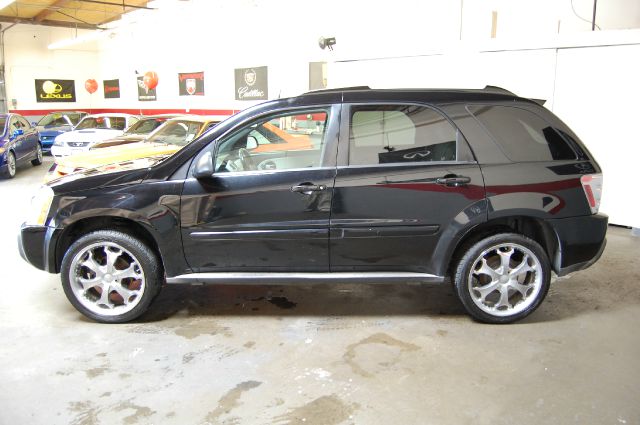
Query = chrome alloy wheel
x=11 y=164
x=505 y=279
x=39 y=153
x=107 y=279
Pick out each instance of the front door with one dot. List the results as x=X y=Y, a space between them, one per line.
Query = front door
x=267 y=205
x=406 y=182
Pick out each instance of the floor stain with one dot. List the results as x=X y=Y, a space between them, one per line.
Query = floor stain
x=230 y=400
x=86 y=413
x=249 y=344
x=379 y=338
x=282 y=302
x=442 y=332
x=326 y=410
x=140 y=412
x=96 y=371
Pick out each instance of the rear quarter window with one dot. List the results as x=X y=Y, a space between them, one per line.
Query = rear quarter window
x=522 y=135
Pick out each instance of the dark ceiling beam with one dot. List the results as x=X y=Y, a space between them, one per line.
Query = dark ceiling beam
x=47 y=23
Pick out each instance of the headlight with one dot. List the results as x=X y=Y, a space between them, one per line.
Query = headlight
x=2 y=150
x=40 y=204
x=57 y=142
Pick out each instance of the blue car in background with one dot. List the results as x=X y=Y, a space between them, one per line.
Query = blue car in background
x=56 y=123
x=19 y=143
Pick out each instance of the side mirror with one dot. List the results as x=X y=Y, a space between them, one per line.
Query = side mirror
x=16 y=133
x=204 y=166
x=252 y=142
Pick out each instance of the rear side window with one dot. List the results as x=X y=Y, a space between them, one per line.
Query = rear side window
x=399 y=134
x=522 y=135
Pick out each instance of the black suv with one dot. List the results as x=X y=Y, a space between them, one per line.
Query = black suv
x=354 y=185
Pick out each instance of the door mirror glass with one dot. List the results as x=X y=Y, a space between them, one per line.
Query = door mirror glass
x=204 y=166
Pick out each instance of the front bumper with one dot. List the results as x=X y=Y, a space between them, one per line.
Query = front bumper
x=581 y=242
x=64 y=150
x=37 y=246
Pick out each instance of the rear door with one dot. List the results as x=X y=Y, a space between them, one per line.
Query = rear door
x=267 y=205
x=406 y=183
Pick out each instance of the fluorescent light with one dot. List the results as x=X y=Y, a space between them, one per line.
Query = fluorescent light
x=78 y=40
x=5 y=3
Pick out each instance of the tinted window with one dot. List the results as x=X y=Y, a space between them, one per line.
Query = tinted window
x=25 y=123
x=53 y=120
x=399 y=134
x=114 y=123
x=523 y=135
x=278 y=143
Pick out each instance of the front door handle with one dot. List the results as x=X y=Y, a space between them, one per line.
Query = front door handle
x=308 y=188
x=453 y=181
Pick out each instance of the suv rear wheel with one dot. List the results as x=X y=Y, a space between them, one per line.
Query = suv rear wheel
x=502 y=278
x=110 y=276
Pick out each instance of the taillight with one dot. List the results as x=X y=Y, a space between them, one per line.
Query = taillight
x=592 y=185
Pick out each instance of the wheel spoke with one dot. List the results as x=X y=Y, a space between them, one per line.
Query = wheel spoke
x=112 y=256
x=505 y=259
x=104 y=297
x=128 y=272
x=91 y=264
x=521 y=268
x=487 y=289
x=488 y=270
x=523 y=289
x=89 y=283
x=504 y=298
x=125 y=293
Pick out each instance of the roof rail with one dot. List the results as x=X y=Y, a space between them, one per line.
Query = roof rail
x=339 y=89
x=496 y=89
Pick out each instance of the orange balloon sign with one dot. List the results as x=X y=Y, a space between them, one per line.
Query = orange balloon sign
x=91 y=85
x=150 y=80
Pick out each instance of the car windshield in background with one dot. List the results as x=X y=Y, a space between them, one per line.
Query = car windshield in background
x=179 y=133
x=53 y=120
x=110 y=123
x=145 y=126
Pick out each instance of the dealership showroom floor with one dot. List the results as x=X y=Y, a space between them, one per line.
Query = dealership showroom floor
x=322 y=354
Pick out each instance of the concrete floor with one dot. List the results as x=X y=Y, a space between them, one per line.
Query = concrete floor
x=343 y=354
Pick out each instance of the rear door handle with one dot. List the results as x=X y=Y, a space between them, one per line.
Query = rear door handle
x=308 y=188
x=453 y=181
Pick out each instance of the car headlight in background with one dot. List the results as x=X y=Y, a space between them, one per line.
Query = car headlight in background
x=2 y=150
x=40 y=204
x=57 y=142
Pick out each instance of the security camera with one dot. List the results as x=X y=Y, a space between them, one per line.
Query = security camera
x=327 y=42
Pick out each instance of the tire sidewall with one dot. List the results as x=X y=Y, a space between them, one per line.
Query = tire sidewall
x=39 y=155
x=469 y=257
x=11 y=155
x=146 y=258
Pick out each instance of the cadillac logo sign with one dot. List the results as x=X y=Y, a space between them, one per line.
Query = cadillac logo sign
x=252 y=83
x=191 y=84
x=55 y=90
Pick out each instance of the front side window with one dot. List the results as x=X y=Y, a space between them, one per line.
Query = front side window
x=522 y=135
x=399 y=134
x=277 y=143
x=178 y=133
x=114 y=123
x=145 y=126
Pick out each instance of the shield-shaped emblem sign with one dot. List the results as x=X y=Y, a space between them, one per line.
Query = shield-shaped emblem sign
x=190 y=84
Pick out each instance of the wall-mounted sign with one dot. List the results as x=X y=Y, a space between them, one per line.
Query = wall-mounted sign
x=145 y=93
x=55 y=91
x=191 y=83
x=252 y=83
x=111 y=89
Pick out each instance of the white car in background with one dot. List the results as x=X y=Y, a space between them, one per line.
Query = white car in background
x=91 y=130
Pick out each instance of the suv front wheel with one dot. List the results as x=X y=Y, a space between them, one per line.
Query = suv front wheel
x=110 y=276
x=502 y=278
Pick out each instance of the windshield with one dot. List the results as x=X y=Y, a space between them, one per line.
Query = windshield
x=145 y=126
x=53 y=120
x=179 y=133
x=111 y=123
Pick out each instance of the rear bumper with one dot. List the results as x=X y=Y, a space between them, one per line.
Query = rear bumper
x=581 y=241
x=37 y=246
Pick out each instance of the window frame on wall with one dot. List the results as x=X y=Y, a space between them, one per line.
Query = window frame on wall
x=463 y=151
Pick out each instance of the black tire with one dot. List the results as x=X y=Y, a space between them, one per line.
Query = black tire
x=10 y=172
x=38 y=158
x=482 y=290
x=143 y=280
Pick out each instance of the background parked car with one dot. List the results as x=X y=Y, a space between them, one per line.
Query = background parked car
x=138 y=131
x=54 y=124
x=92 y=129
x=19 y=143
x=169 y=138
